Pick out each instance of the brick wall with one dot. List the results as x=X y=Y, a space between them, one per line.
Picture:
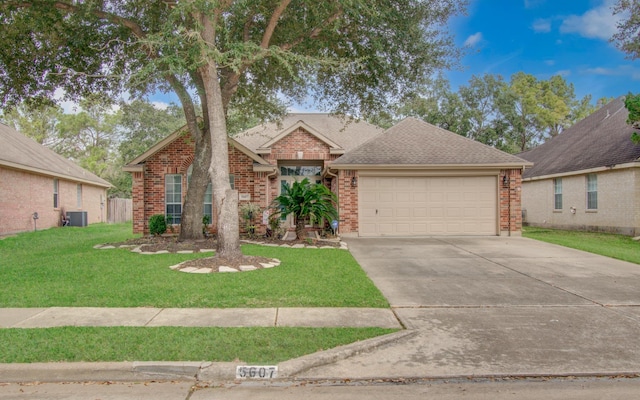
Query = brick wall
x=347 y=201
x=23 y=193
x=510 y=201
x=148 y=191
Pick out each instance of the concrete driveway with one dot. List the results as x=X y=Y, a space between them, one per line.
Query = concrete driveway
x=494 y=306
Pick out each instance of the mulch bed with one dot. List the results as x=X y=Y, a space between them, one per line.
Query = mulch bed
x=171 y=244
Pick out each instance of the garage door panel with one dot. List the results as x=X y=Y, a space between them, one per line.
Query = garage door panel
x=427 y=206
x=420 y=212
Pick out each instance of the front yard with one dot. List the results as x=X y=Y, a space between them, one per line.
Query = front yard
x=60 y=267
x=606 y=244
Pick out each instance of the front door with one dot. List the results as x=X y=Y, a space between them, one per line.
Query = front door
x=291 y=173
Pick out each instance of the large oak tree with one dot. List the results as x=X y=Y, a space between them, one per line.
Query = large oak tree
x=353 y=56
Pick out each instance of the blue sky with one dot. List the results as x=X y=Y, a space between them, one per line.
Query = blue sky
x=545 y=38
x=539 y=37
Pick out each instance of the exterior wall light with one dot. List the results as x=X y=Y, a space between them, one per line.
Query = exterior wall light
x=354 y=182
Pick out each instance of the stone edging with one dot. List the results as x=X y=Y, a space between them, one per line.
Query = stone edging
x=136 y=248
x=274 y=263
x=243 y=268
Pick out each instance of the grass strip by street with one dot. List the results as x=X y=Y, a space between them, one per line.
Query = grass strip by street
x=60 y=267
x=606 y=244
x=250 y=345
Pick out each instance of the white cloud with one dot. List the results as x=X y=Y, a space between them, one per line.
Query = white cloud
x=563 y=72
x=542 y=25
x=160 y=105
x=533 y=3
x=597 y=23
x=629 y=71
x=473 y=40
x=550 y=62
x=600 y=71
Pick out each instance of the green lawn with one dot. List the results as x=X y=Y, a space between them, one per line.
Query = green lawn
x=60 y=267
x=606 y=244
x=250 y=345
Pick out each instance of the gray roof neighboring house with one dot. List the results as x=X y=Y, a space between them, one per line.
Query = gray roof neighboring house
x=414 y=143
x=603 y=139
x=20 y=152
x=341 y=133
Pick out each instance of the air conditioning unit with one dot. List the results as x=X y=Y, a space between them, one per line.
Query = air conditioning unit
x=77 y=218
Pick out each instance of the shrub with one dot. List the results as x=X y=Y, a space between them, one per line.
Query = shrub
x=157 y=224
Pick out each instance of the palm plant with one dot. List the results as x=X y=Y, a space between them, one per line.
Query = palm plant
x=305 y=200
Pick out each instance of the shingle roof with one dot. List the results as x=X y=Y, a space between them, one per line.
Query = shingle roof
x=603 y=139
x=415 y=142
x=20 y=152
x=346 y=133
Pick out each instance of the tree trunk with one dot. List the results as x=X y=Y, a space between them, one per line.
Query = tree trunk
x=300 y=228
x=224 y=198
x=191 y=223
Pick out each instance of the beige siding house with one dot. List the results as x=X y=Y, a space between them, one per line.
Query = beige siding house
x=586 y=178
x=34 y=179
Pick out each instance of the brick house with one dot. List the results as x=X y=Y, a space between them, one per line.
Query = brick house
x=587 y=177
x=34 y=179
x=413 y=179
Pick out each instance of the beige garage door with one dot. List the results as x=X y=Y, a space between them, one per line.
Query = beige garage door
x=411 y=206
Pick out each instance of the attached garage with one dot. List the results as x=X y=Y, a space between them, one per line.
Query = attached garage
x=417 y=179
x=444 y=205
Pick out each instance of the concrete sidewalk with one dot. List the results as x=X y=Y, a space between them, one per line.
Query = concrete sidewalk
x=187 y=317
x=198 y=317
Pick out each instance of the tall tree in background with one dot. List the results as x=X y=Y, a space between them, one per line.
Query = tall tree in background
x=143 y=124
x=626 y=38
x=632 y=104
x=437 y=105
x=479 y=98
x=36 y=120
x=90 y=137
x=357 y=55
x=533 y=110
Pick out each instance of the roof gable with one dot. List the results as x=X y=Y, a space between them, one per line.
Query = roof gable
x=339 y=133
x=334 y=147
x=413 y=142
x=138 y=161
x=603 y=139
x=23 y=153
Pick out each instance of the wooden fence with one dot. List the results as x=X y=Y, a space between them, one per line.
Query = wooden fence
x=119 y=210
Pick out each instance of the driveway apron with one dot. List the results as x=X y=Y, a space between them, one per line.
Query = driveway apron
x=493 y=306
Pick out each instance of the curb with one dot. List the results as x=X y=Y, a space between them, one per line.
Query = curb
x=95 y=372
x=291 y=368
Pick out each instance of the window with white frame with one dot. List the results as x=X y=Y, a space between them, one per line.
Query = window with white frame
x=56 y=185
x=79 y=195
x=173 y=198
x=557 y=194
x=592 y=192
x=208 y=203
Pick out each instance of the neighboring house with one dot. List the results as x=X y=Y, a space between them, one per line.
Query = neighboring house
x=413 y=179
x=587 y=177
x=34 y=179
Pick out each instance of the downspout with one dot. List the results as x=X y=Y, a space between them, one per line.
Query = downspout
x=270 y=175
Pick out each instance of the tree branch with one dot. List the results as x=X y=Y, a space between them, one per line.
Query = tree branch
x=314 y=32
x=273 y=22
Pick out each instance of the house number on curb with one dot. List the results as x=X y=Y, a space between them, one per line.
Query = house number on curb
x=256 y=372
